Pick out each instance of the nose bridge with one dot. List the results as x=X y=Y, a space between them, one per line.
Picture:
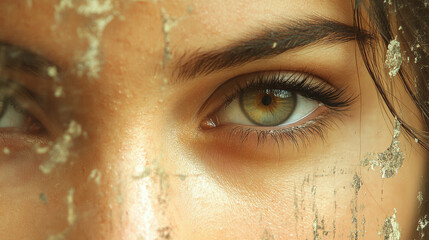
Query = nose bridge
x=115 y=191
x=113 y=194
x=96 y=199
x=120 y=208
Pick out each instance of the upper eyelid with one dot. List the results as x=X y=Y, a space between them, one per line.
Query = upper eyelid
x=234 y=85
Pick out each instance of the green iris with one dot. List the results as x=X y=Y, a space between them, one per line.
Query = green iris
x=268 y=107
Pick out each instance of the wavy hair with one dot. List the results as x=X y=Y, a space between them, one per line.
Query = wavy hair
x=407 y=22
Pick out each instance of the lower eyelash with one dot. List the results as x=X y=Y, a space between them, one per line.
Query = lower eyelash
x=298 y=136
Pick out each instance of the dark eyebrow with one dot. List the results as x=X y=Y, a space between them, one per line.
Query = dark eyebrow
x=21 y=59
x=268 y=43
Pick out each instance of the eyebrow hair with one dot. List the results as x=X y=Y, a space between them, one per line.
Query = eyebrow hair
x=18 y=58
x=268 y=43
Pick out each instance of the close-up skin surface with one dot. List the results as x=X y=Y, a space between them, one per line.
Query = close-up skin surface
x=211 y=119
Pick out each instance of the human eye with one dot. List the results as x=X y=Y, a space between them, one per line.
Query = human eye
x=279 y=106
x=22 y=118
x=14 y=105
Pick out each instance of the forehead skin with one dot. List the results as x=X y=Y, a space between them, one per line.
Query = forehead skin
x=200 y=20
x=133 y=117
x=228 y=20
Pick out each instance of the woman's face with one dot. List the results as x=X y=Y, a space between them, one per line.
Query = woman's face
x=220 y=119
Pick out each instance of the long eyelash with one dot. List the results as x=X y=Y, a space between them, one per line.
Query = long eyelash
x=334 y=99
x=302 y=84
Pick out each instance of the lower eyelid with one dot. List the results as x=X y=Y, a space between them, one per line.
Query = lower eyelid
x=239 y=117
x=266 y=139
x=20 y=142
x=320 y=111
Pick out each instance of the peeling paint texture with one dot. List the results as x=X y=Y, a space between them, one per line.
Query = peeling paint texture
x=394 y=57
x=100 y=14
x=420 y=198
x=41 y=149
x=6 y=151
x=62 y=6
x=267 y=236
x=168 y=24
x=142 y=173
x=423 y=223
x=356 y=185
x=96 y=175
x=390 y=161
x=391 y=230
x=60 y=151
x=71 y=216
x=164 y=233
x=95 y=7
x=90 y=62
x=56 y=237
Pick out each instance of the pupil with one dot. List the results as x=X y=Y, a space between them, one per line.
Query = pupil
x=266 y=100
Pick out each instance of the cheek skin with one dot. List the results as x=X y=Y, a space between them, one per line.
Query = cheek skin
x=282 y=195
x=286 y=207
x=21 y=187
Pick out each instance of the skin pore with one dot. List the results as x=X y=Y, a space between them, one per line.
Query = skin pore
x=161 y=175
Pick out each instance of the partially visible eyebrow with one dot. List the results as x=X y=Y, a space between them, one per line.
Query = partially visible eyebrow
x=21 y=59
x=267 y=43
